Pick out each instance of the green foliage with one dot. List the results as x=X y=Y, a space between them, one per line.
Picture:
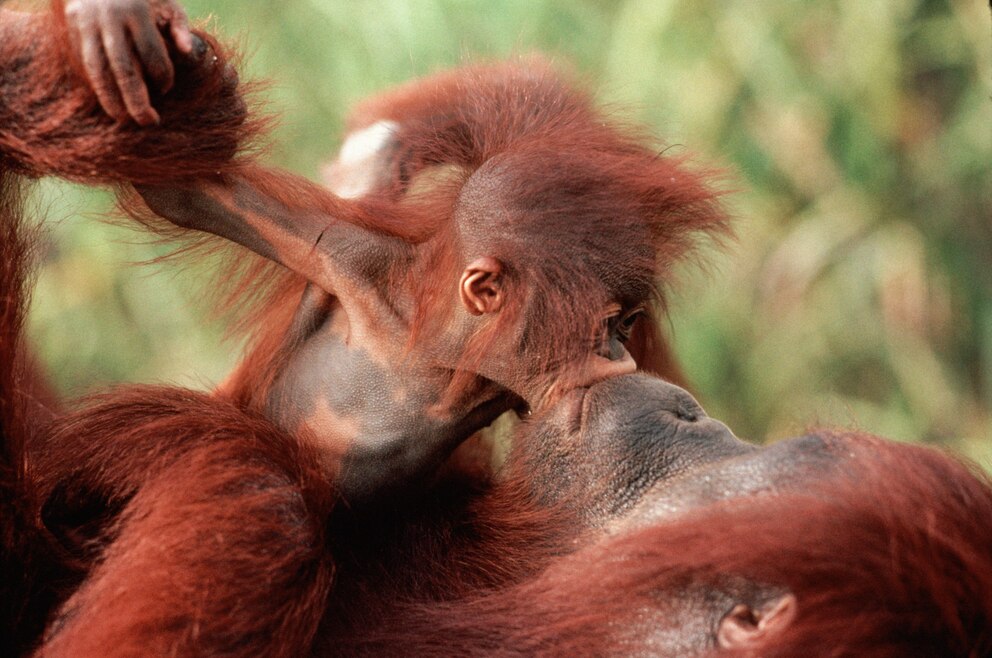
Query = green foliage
x=856 y=133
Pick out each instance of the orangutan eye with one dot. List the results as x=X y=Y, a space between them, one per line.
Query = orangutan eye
x=625 y=323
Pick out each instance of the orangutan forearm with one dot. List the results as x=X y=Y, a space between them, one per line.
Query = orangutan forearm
x=326 y=246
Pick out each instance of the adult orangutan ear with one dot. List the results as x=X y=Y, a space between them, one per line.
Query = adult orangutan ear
x=481 y=286
x=745 y=627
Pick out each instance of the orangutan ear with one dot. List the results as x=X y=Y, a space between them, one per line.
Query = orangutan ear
x=745 y=627
x=481 y=286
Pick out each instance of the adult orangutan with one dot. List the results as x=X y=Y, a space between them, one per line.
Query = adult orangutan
x=626 y=522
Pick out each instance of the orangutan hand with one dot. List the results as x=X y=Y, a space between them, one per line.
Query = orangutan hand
x=121 y=44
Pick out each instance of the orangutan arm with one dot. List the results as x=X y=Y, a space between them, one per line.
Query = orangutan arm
x=287 y=219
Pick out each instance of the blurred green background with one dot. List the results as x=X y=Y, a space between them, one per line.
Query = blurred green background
x=858 y=134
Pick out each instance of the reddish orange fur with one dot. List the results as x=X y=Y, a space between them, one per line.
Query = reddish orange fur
x=50 y=124
x=213 y=503
x=217 y=540
x=22 y=555
x=607 y=192
x=577 y=182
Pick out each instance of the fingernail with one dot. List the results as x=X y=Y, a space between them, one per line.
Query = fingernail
x=186 y=41
x=150 y=118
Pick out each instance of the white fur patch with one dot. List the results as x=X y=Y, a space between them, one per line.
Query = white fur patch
x=356 y=172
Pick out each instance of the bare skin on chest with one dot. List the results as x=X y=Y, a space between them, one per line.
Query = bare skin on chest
x=375 y=409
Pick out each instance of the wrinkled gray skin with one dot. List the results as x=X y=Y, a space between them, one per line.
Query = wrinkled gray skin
x=632 y=451
x=646 y=442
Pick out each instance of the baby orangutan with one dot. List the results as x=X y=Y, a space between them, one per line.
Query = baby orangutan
x=493 y=247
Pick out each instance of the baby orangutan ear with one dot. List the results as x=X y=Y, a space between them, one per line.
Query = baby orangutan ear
x=481 y=286
x=746 y=627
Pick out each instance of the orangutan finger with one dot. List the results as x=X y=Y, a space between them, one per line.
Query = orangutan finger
x=98 y=72
x=72 y=29
x=130 y=82
x=152 y=51
x=179 y=28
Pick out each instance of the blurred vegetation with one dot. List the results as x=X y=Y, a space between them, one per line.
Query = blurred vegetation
x=858 y=134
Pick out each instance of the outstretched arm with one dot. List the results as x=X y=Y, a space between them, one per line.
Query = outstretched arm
x=343 y=246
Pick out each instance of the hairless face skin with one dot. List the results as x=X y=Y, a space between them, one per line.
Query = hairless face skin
x=638 y=432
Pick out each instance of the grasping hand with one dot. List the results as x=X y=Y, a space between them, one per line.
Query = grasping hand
x=121 y=43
